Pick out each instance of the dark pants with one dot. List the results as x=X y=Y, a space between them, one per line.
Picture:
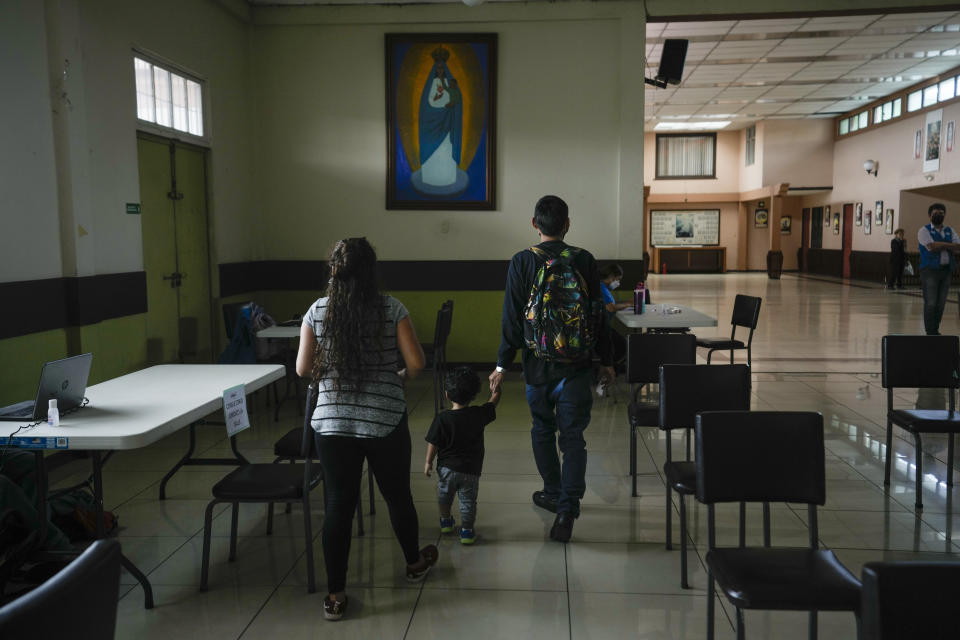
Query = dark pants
x=896 y=274
x=936 y=285
x=342 y=460
x=561 y=411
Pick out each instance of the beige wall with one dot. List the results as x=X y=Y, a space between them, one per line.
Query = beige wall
x=567 y=124
x=729 y=161
x=798 y=152
x=82 y=144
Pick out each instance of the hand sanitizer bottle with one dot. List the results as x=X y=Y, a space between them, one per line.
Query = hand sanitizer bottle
x=53 y=414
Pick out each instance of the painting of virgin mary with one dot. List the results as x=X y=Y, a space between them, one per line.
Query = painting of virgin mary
x=440 y=121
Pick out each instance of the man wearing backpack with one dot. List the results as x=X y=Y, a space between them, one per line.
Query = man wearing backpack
x=552 y=312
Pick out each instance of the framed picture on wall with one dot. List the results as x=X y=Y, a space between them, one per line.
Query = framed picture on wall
x=826 y=216
x=785 y=223
x=931 y=156
x=948 y=137
x=917 y=144
x=441 y=120
x=836 y=223
x=760 y=218
x=878 y=213
x=866 y=223
x=858 y=214
x=888 y=224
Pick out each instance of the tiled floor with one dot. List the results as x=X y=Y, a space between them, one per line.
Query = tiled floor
x=817 y=348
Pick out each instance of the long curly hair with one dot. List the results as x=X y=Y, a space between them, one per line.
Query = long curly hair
x=354 y=319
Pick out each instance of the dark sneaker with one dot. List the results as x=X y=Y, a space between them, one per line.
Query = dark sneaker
x=468 y=536
x=334 y=609
x=544 y=501
x=562 y=527
x=429 y=554
x=446 y=525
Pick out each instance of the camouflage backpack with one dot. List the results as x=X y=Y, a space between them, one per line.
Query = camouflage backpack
x=561 y=319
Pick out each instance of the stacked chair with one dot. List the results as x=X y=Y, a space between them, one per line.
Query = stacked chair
x=908 y=600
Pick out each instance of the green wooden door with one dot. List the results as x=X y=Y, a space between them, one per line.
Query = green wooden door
x=175 y=251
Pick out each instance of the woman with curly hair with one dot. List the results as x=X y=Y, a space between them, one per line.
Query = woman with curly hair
x=350 y=344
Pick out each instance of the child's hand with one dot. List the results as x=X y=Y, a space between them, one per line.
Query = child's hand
x=427 y=468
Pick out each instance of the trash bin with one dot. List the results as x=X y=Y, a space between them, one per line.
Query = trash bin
x=774 y=264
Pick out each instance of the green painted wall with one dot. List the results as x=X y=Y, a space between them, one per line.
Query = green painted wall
x=119 y=346
x=476 y=317
x=21 y=359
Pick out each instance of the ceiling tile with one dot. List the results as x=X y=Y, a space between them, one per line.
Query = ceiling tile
x=868 y=45
x=791 y=91
x=803 y=108
x=913 y=19
x=743 y=49
x=778 y=71
x=835 y=23
x=681 y=29
x=717 y=73
x=742 y=93
x=719 y=109
x=836 y=90
x=794 y=47
x=676 y=110
x=842 y=106
x=761 y=109
x=824 y=70
x=693 y=96
x=880 y=67
x=780 y=25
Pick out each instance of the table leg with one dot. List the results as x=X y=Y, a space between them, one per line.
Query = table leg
x=189 y=461
x=41 y=471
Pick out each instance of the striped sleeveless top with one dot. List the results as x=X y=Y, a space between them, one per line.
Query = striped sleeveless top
x=374 y=410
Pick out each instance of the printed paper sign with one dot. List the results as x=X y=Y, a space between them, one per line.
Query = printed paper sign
x=48 y=442
x=235 y=410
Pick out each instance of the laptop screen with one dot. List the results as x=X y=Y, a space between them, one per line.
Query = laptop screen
x=65 y=380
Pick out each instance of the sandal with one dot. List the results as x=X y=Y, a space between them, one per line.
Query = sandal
x=334 y=609
x=429 y=554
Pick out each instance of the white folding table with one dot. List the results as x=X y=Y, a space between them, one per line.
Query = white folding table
x=288 y=333
x=662 y=316
x=136 y=410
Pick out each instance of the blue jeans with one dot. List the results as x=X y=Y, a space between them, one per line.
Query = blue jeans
x=561 y=411
x=935 y=284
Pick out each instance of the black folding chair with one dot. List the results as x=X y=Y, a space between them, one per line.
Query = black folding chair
x=79 y=601
x=921 y=362
x=746 y=312
x=686 y=390
x=436 y=353
x=768 y=456
x=267 y=482
x=645 y=353
x=909 y=600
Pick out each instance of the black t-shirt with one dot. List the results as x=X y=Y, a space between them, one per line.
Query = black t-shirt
x=458 y=436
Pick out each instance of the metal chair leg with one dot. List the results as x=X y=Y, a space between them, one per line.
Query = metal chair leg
x=669 y=521
x=741 y=627
x=308 y=536
x=205 y=559
x=270 y=518
x=743 y=525
x=731 y=356
x=373 y=507
x=234 y=516
x=889 y=456
x=710 y=604
x=289 y=506
x=766 y=524
x=709 y=353
x=919 y=465
x=950 y=461
x=812 y=622
x=633 y=460
x=683 y=543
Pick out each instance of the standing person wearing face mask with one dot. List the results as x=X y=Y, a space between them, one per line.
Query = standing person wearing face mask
x=938 y=244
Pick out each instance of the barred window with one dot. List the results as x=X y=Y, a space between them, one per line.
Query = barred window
x=167 y=98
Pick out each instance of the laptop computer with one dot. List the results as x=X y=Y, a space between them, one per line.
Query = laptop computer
x=65 y=380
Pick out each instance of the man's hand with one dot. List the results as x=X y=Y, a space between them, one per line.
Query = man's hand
x=607 y=374
x=427 y=468
x=495 y=379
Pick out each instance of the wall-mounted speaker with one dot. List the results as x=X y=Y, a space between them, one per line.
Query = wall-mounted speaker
x=671 y=61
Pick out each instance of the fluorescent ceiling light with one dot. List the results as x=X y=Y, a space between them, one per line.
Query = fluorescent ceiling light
x=691 y=126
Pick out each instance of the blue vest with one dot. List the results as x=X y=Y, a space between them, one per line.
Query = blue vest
x=931 y=259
